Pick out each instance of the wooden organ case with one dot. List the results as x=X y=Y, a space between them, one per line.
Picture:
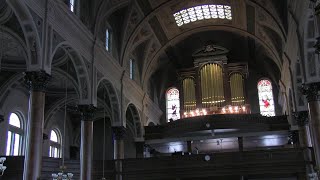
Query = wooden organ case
x=213 y=86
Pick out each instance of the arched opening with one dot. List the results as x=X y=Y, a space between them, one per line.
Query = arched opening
x=266 y=101
x=133 y=131
x=55 y=144
x=173 y=103
x=15 y=135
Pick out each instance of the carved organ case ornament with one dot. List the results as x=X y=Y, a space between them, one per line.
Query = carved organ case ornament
x=213 y=85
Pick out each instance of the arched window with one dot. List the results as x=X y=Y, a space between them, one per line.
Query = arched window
x=15 y=136
x=202 y=12
x=108 y=39
x=266 y=101
x=72 y=5
x=173 y=104
x=132 y=67
x=55 y=144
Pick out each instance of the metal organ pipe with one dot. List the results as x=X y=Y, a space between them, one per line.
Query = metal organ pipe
x=236 y=84
x=212 y=85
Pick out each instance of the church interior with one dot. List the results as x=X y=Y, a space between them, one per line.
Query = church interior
x=159 y=89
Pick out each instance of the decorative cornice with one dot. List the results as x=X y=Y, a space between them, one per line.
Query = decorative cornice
x=37 y=80
x=302 y=118
x=311 y=90
x=87 y=112
x=118 y=132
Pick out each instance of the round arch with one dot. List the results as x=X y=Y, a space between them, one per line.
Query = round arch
x=112 y=96
x=12 y=35
x=80 y=67
x=133 y=120
x=30 y=32
x=148 y=71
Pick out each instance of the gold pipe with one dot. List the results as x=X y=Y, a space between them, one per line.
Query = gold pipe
x=207 y=84
x=204 y=85
x=231 y=88
x=212 y=86
x=216 y=92
x=185 y=94
x=201 y=86
x=220 y=84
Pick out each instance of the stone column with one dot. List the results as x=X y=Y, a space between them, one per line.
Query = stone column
x=118 y=134
x=312 y=93
x=189 y=146
x=87 y=114
x=302 y=119
x=240 y=143
x=37 y=82
x=140 y=149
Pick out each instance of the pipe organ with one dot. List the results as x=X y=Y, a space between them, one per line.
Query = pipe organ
x=213 y=85
x=212 y=91
x=236 y=87
x=189 y=94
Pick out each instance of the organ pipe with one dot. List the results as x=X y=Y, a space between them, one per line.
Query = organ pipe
x=212 y=85
x=189 y=95
x=236 y=85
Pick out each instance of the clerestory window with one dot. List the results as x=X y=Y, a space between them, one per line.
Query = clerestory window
x=202 y=12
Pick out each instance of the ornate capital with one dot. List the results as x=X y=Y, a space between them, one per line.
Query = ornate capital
x=301 y=117
x=37 y=80
x=311 y=91
x=1 y=118
x=118 y=132
x=87 y=112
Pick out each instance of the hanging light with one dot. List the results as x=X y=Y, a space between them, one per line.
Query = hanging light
x=62 y=175
x=2 y=167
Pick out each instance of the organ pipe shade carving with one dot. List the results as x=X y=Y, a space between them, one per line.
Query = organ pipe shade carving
x=236 y=85
x=189 y=94
x=212 y=86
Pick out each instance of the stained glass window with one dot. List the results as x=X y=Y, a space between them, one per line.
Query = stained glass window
x=202 y=12
x=72 y=4
x=173 y=104
x=266 y=101
x=15 y=134
x=131 y=66
x=55 y=144
x=107 y=39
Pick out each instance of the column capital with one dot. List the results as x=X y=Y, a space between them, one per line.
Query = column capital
x=37 y=80
x=301 y=117
x=119 y=132
x=311 y=90
x=86 y=111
